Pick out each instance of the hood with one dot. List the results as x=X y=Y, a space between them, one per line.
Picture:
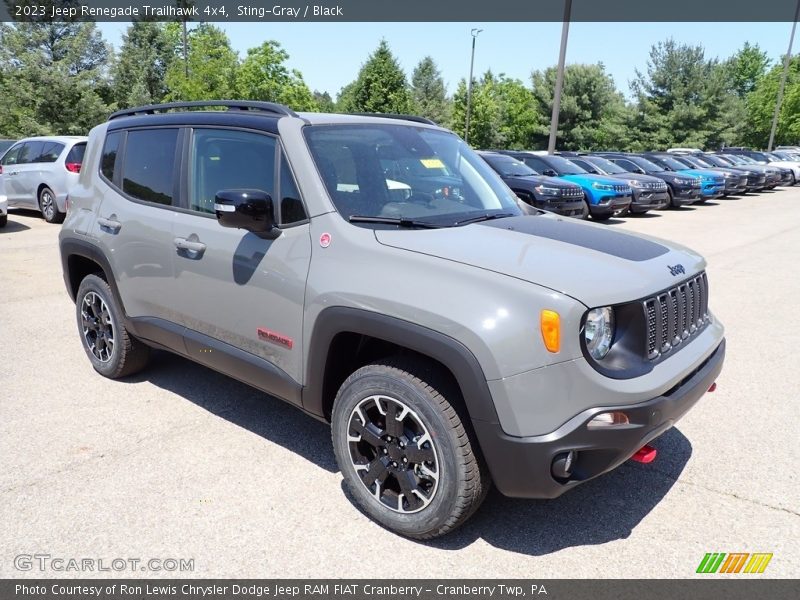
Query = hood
x=704 y=173
x=591 y=263
x=534 y=180
x=588 y=179
x=636 y=177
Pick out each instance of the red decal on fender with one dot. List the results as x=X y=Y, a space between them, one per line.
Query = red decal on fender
x=275 y=338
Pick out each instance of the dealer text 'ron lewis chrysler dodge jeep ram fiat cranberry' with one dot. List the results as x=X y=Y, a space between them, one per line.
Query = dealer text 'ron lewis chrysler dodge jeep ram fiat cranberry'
x=379 y=275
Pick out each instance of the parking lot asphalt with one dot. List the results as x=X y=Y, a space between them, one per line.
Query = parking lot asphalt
x=181 y=462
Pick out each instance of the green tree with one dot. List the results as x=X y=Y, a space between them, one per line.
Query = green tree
x=139 y=74
x=746 y=67
x=428 y=92
x=761 y=107
x=212 y=66
x=683 y=99
x=486 y=112
x=53 y=78
x=592 y=112
x=263 y=75
x=324 y=101
x=381 y=86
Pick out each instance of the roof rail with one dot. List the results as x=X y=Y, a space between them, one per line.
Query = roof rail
x=414 y=118
x=243 y=105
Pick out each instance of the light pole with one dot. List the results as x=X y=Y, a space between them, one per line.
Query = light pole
x=783 y=81
x=562 y=54
x=474 y=33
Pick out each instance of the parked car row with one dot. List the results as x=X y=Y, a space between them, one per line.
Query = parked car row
x=606 y=184
x=38 y=172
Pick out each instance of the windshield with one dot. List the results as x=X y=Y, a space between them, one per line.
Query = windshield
x=647 y=165
x=405 y=172
x=605 y=164
x=508 y=166
x=669 y=162
x=564 y=167
x=732 y=159
x=716 y=160
x=746 y=159
x=693 y=161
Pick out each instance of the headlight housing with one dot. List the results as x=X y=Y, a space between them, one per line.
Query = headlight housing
x=547 y=191
x=635 y=183
x=603 y=186
x=598 y=332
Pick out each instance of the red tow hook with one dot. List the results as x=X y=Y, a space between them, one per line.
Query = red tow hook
x=646 y=454
x=713 y=387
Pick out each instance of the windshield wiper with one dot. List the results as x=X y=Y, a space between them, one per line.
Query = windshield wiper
x=484 y=217
x=399 y=221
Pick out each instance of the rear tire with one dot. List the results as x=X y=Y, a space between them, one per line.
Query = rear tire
x=48 y=206
x=113 y=352
x=3 y=220
x=420 y=473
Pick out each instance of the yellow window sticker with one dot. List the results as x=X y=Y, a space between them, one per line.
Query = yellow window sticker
x=432 y=163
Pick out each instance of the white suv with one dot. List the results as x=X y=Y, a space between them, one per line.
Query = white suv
x=38 y=172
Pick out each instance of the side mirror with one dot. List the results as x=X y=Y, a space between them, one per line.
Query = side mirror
x=550 y=173
x=640 y=171
x=246 y=209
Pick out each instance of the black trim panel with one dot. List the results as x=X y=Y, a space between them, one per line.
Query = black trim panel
x=606 y=241
x=448 y=351
x=220 y=356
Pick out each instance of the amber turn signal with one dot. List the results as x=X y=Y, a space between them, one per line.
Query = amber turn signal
x=550 y=324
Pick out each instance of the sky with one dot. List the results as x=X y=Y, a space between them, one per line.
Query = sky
x=330 y=55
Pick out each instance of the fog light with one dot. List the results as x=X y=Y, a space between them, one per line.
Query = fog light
x=562 y=464
x=608 y=419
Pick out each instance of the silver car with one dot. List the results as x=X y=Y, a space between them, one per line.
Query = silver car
x=38 y=172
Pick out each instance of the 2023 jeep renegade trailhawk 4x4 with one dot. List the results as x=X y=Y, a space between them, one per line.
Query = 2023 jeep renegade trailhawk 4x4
x=376 y=273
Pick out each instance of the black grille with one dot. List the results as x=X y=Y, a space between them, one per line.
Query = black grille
x=675 y=315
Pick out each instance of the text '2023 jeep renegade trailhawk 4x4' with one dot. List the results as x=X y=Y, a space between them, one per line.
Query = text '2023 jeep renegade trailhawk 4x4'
x=376 y=273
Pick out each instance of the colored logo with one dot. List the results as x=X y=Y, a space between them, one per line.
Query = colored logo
x=325 y=240
x=741 y=562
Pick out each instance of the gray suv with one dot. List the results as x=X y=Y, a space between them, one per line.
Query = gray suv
x=377 y=274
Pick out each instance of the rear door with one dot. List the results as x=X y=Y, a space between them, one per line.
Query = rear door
x=138 y=183
x=238 y=291
x=9 y=171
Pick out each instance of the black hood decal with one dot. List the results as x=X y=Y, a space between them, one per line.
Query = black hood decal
x=606 y=241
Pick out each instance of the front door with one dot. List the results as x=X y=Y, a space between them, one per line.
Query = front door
x=244 y=292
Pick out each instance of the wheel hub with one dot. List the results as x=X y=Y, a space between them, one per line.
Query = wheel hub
x=393 y=454
x=97 y=326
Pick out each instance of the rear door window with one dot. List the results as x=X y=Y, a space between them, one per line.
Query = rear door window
x=49 y=152
x=108 y=159
x=29 y=151
x=148 y=172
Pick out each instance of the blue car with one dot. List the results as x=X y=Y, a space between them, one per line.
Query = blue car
x=605 y=196
x=712 y=183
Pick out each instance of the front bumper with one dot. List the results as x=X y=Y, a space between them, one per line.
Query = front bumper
x=735 y=186
x=521 y=466
x=685 y=194
x=644 y=200
x=712 y=190
x=567 y=207
x=609 y=205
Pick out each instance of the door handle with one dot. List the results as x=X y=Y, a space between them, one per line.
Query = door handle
x=114 y=226
x=184 y=244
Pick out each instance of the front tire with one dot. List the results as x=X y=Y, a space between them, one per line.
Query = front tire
x=113 y=352
x=3 y=220
x=48 y=206
x=405 y=451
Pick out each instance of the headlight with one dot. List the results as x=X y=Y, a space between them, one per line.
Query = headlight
x=546 y=191
x=599 y=331
x=683 y=181
x=635 y=183
x=603 y=186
